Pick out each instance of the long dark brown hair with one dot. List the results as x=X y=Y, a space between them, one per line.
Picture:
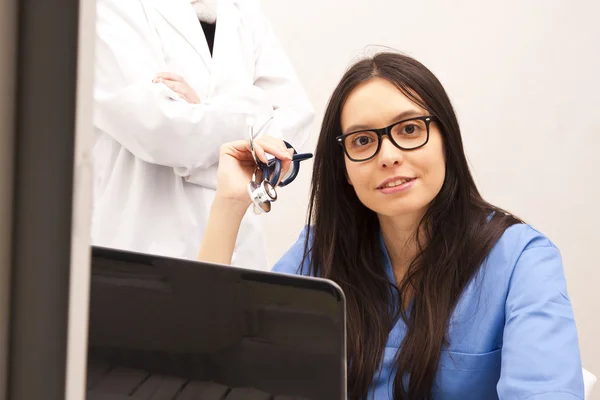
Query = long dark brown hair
x=458 y=230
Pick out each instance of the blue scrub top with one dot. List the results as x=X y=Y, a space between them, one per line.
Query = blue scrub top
x=512 y=334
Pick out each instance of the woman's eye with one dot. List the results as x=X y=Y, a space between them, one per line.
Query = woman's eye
x=410 y=129
x=362 y=140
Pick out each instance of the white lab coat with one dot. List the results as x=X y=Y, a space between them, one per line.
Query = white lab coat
x=155 y=155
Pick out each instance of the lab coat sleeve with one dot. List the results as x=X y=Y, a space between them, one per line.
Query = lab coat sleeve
x=148 y=118
x=293 y=113
x=540 y=354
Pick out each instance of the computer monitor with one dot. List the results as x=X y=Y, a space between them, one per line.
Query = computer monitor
x=165 y=328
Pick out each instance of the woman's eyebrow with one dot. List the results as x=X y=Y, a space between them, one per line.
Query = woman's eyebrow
x=403 y=115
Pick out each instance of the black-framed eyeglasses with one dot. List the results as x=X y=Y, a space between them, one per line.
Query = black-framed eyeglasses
x=408 y=134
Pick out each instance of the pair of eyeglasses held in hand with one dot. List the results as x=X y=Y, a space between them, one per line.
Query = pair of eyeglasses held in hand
x=266 y=176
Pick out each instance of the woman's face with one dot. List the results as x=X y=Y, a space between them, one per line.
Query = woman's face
x=394 y=183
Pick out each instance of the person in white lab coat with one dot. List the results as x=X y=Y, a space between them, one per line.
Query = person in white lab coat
x=163 y=106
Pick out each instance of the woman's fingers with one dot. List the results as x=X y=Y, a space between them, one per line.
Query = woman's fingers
x=276 y=143
x=239 y=149
x=241 y=153
x=260 y=153
x=285 y=167
x=266 y=145
x=275 y=147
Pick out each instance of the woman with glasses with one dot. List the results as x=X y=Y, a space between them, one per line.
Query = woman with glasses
x=448 y=296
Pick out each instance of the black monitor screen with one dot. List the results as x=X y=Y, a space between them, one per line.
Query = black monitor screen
x=163 y=328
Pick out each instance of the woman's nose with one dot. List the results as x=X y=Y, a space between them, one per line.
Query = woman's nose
x=389 y=155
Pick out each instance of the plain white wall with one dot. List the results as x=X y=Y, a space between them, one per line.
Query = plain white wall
x=523 y=77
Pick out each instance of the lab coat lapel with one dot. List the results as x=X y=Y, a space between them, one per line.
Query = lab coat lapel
x=226 y=49
x=181 y=16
